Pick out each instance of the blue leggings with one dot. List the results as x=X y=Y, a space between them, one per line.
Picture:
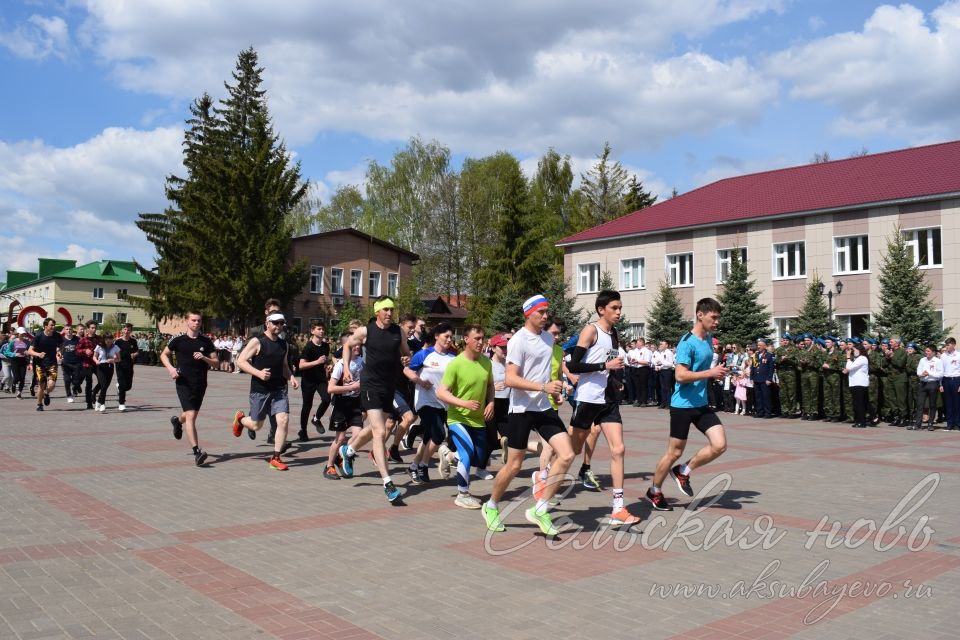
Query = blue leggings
x=471 y=443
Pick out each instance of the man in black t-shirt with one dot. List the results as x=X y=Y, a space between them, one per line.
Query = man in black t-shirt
x=128 y=353
x=70 y=363
x=46 y=349
x=313 y=378
x=195 y=355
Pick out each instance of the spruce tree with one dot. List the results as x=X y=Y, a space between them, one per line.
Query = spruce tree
x=223 y=245
x=563 y=305
x=623 y=325
x=744 y=319
x=636 y=198
x=666 y=319
x=905 y=306
x=814 y=316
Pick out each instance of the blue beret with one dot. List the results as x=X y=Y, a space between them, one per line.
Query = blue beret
x=833 y=338
x=821 y=342
x=854 y=340
x=911 y=345
x=787 y=336
x=872 y=341
x=885 y=341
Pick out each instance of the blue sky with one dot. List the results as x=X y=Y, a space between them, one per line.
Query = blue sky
x=686 y=92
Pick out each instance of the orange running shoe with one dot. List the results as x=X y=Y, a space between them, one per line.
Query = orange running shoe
x=237 y=426
x=278 y=464
x=622 y=517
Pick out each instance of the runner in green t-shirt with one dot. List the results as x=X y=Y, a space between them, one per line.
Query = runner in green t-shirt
x=467 y=390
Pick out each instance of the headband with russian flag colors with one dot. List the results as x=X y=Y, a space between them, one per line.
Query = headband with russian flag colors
x=534 y=303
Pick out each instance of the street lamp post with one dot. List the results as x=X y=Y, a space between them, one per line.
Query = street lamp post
x=829 y=294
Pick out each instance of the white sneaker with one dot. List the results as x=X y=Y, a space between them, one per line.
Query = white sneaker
x=467 y=501
x=443 y=452
x=483 y=474
x=121 y=407
x=102 y=408
x=70 y=400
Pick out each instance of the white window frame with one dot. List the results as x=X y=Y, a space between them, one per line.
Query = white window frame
x=336 y=281
x=845 y=322
x=782 y=250
x=842 y=248
x=913 y=244
x=122 y=294
x=393 y=283
x=588 y=277
x=635 y=330
x=724 y=258
x=374 y=292
x=357 y=291
x=121 y=317
x=781 y=325
x=679 y=265
x=316 y=279
x=98 y=293
x=97 y=317
x=633 y=274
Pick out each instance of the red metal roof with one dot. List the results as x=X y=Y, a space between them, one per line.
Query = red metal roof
x=921 y=172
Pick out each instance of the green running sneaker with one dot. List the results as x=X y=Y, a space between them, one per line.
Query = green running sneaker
x=492 y=518
x=541 y=520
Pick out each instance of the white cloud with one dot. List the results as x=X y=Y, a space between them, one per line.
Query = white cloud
x=39 y=38
x=479 y=76
x=728 y=167
x=83 y=255
x=896 y=77
x=118 y=173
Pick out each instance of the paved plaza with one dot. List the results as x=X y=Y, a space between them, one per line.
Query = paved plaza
x=108 y=530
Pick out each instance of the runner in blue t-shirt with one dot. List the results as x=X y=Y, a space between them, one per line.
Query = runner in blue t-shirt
x=690 y=406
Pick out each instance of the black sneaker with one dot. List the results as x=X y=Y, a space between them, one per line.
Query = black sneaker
x=177 y=427
x=394 y=455
x=46 y=399
x=270 y=440
x=423 y=474
x=200 y=457
x=658 y=501
x=302 y=436
x=251 y=434
x=683 y=481
x=414 y=476
x=39 y=407
x=319 y=425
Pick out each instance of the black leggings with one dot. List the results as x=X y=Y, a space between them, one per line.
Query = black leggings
x=308 y=389
x=104 y=378
x=19 y=368
x=71 y=377
x=859 y=397
x=124 y=381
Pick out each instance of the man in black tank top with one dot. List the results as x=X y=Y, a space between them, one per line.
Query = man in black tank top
x=265 y=359
x=386 y=353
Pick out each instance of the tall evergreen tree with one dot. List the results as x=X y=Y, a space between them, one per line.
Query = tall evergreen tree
x=606 y=282
x=744 y=319
x=636 y=198
x=551 y=200
x=602 y=188
x=223 y=246
x=814 y=316
x=666 y=320
x=905 y=306
x=563 y=304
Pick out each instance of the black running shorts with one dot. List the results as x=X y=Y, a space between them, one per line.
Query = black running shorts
x=191 y=397
x=546 y=423
x=588 y=414
x=376 y=399
x=701 y=417
x=434 y=423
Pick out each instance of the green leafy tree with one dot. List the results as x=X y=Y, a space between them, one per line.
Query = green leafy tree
x=409 y=299
x=223 y=246
x=551 y=200
x=666 y=319
x=744 y=319
x=351 y=310
x=814 y=316
x=905 y=306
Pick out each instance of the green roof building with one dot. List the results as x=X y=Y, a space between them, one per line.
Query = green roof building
x=95 y=291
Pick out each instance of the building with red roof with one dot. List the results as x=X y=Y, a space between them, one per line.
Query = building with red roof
x=829 y=220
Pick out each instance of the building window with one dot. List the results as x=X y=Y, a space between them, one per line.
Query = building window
x=680 y=270
x=374 y=284
x=393 y=282
x=98 y=293
x=851 y=255
x=316 y=280
x=782 y=326
x=97 y=317
x=723 y=263
x=789 y=260
x=589 y=280
x=121 y=318
x=356 y=282
x=336 y=281
x=121 y=294
x=297 y=326
x=924 y=246
x=631 y=274
x=854 y=325
x=634 y=331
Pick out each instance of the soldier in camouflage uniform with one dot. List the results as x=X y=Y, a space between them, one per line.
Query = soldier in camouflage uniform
x=875 y=362
x=809 y=360
x=788 y=376
x=913 y=381
x=833 y=363
x=898 y=375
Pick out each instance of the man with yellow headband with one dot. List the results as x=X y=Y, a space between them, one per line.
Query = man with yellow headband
x=386 y=351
